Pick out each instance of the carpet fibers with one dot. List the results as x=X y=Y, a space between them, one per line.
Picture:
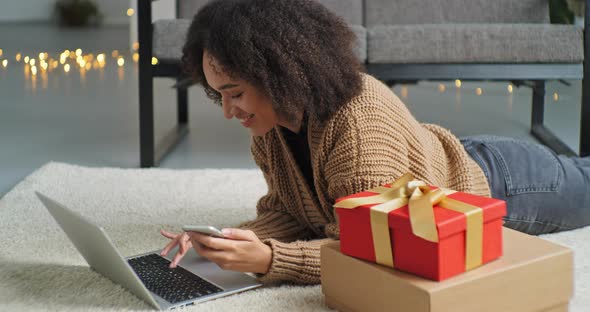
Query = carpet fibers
x=41 y=270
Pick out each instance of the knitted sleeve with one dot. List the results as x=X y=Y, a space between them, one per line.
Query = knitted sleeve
x=272 y=220
x=294 y=258
x=362 y=153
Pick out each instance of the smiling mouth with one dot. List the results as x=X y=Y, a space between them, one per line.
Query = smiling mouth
x=243 y=120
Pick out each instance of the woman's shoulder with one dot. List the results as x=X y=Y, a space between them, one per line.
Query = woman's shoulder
x=375 y=100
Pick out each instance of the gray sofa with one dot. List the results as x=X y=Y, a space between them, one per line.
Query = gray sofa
x=427 y=31
x=411 y=40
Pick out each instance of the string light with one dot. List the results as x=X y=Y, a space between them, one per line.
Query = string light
x=478 y=91
x=509 y=88
x=41 y=64
x=5 y=63
x=555 y=96
x=458 y=83
x=404 y=92
x=1 y=52
x=130 y=12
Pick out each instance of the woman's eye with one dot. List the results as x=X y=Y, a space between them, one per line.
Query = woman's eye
x=237 y=96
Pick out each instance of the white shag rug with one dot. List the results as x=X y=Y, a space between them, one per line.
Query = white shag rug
x=41 y=270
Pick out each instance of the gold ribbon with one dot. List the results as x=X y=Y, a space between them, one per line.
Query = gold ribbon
x=420 y=200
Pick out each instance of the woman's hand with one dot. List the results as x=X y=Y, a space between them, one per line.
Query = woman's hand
x=181 y=239
x=240 y=250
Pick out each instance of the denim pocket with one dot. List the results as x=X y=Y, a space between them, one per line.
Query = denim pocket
x=526 y=167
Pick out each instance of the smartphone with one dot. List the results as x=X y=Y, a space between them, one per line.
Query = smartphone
x=204 y=229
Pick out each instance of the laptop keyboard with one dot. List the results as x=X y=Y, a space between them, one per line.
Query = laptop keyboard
x=174 y=285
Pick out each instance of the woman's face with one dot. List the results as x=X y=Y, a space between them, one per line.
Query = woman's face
x=252 y=108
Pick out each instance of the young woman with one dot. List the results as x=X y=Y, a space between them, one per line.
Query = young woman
x=322 y=129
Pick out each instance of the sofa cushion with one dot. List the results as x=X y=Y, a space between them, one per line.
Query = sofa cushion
x=188 y=8
x=361 y=42
x=169 y=36
x=475 y=43
x=384 y=12
x=350 y=10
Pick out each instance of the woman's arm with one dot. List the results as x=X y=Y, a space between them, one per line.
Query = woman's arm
x=272 y=220
x=364 y=155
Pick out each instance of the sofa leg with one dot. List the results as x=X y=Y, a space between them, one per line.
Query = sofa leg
x=585 y=119
x=147 y=145
x=538 y=129
x=182 y=103
x=146 y=121
x=538 y=108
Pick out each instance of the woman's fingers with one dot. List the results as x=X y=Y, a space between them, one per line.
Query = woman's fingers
x=185 y=244
x=171 y=245
x=184 y=247
x=168 y=234
x=177 y=257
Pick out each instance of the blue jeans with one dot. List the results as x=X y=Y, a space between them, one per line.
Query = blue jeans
x=544 y=192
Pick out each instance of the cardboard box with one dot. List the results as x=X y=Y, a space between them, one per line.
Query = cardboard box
x=434 y=260
x=532 y=275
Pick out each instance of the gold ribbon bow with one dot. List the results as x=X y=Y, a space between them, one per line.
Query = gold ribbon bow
x=420 y=199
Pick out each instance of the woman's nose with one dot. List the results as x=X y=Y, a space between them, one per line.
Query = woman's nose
x=227 y=109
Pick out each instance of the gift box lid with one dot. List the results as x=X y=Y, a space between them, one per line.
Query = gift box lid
x=448 y=222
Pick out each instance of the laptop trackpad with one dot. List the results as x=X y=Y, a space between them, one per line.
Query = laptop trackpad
x=210 y=271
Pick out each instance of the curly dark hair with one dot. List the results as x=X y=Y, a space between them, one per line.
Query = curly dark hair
x=296 y=51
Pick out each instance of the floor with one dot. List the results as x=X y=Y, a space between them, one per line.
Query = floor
x=90 y=117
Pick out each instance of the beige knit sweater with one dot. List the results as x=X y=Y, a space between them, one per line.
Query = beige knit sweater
x=371 y=141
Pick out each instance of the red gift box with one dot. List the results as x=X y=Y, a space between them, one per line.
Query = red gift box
x=434 y=260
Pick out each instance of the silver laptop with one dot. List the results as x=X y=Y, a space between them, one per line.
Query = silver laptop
x=148 y=276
